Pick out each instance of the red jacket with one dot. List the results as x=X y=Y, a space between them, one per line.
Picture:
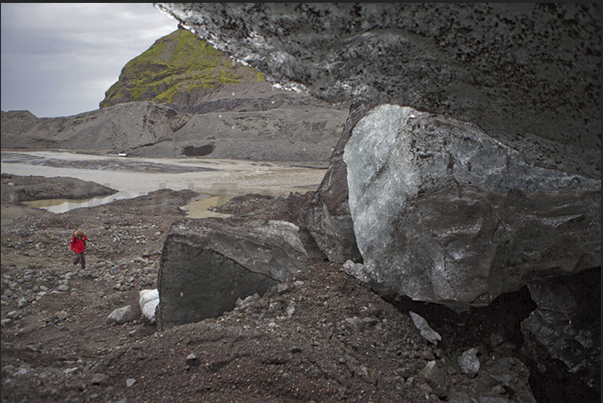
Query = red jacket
x=78 y=245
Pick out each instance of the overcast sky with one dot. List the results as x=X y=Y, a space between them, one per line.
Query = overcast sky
x=58 y=59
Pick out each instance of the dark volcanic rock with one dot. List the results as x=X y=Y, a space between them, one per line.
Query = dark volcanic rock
x=17 y=188
x=327 y=216
x=564 y=332
x=207 y=264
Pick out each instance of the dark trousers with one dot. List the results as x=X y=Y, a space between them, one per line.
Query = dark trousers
x=79 y=258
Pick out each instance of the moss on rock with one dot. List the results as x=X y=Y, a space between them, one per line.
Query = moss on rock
x=177 y=68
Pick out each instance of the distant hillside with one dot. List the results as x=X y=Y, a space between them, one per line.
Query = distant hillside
x=178 y=69
x=183 y=98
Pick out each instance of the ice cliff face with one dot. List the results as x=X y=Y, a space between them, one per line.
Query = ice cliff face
x=527 y=73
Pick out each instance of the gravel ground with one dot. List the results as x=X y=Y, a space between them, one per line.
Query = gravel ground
x=320 y=336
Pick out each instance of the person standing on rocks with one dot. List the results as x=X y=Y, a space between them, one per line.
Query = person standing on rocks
x=78 y=246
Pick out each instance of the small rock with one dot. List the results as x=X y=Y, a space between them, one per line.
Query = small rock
x=63 y=288
x=355 y=323
x=426 y=331
x=506 y=362
x=13 y=315
x=290 y=309
x=22 y=303
x=496 y=339
x=130 y=382
x=70 y=371
x=121 y=316
x=248 y=300
x=98 y=379
x=427 y=356
x=435 y=378
x=469 y=362
x=148 y=301
x=192 y=360
x=61 y=315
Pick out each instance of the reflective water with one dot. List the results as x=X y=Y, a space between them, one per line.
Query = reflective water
x=219 y=180
x=199 y=208
x=62 y=205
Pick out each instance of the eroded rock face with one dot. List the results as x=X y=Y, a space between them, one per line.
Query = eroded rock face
x=207 y=264
x=444 y=213
x=528 y=73
x=119 y=127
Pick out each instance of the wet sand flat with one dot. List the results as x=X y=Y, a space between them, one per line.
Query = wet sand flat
x=138 y=176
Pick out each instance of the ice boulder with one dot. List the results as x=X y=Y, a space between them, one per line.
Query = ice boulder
x=149 y=299
x=444 y=213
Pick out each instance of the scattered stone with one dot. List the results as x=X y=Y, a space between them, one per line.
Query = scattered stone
x=98 y=379
x=355 y=323
x=192 y=360
x=435 y=378
x=13 y=315
x=62 y=315
x=355 y=270
x=121 y=316
x=469 y=362
x=426 y=331
x=130 y=382
x=290 y=309
x=242 y=303
x=496 y=339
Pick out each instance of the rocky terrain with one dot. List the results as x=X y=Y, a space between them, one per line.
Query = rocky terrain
x=487 y=154
x=299 y=132
x=321 y=335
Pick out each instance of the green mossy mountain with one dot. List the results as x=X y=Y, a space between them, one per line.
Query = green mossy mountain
x=180 y=69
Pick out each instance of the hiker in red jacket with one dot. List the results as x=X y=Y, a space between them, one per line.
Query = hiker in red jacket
x=78 y=246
